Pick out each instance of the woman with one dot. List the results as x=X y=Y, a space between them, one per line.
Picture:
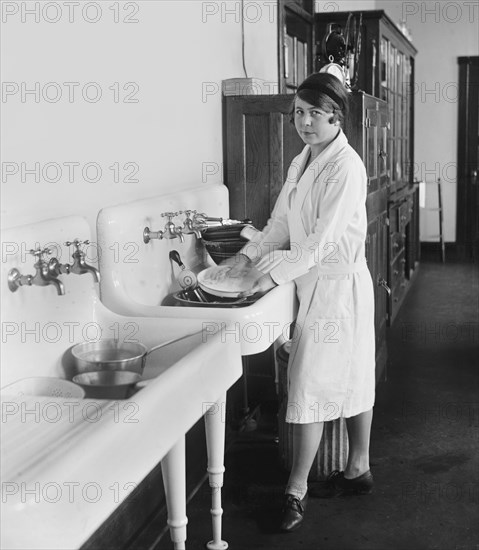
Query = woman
x=320 y=222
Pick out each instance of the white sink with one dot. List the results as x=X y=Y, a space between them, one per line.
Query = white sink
x=58 y=451
x=69 y=452
x=137 y=276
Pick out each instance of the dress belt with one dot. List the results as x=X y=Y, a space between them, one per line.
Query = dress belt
x=331 y=268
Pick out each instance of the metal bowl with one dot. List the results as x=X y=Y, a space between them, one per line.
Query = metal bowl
x=223 y=232
x=108 y=384
x=109 y=355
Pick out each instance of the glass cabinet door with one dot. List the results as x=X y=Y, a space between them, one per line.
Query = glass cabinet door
x=383 y=69
x=383 y=144
x=372 y=149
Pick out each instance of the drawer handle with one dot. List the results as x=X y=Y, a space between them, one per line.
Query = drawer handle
x=396 y=272
x=403 y=260
x=382 y=282
x=396 y=245
x=403 y=218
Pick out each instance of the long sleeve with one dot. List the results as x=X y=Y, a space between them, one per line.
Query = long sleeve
x=340 y=203
x=275 y=234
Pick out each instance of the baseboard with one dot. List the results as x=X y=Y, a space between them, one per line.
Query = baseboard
x=454 y=252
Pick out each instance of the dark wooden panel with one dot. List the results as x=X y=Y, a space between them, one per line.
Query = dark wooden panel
x=257 y=164
x=276 y=171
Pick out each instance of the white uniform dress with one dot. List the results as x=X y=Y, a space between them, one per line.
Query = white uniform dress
x=316 y=237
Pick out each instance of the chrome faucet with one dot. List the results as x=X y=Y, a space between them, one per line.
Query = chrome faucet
x=79 y=266
x=170 y=231
x=190 y=226
x=42 y=277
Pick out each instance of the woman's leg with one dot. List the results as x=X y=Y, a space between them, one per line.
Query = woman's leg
x=359 y=433
x=306 y=439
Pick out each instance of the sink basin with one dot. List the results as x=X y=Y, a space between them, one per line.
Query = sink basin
x=138 y=285
x=61 y=473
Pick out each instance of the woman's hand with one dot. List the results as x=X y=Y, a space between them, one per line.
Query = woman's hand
x=262 y=285
x=240 y=265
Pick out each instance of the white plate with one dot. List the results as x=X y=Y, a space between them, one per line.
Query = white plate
x=226 y=287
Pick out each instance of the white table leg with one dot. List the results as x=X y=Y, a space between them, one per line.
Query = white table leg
x=174 y=480
x=215 y=444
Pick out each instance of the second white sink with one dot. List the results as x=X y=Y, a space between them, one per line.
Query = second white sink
x=137 y=284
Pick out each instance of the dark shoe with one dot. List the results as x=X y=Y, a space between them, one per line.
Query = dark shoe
x=337 y=485
x=293 y=512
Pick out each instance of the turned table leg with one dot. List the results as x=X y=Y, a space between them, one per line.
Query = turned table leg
x=174 y=480
x=215 y=444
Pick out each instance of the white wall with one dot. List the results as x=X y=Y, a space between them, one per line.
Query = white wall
x=175 y=56
x=442 y=32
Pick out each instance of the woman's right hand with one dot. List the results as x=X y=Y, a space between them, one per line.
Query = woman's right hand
x=240 y=265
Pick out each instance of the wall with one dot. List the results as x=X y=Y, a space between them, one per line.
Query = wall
x=442 y=32
x=156 y=127
x=171 y=62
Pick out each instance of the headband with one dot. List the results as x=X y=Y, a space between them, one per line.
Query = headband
x=315 y=85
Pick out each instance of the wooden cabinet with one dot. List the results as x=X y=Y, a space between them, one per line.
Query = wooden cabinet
x=386 y=71
x=367 y=129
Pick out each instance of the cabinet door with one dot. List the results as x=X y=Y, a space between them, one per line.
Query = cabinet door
x=371 y=160
x=376 y=255
x=382 y=145
x=261 y=143
x=295 y=43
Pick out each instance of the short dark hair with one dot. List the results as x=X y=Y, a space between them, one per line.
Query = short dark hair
x=325 y=91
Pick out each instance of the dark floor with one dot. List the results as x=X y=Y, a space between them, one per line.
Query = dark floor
x=424 y=447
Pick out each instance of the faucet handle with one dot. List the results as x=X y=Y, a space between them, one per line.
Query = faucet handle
x=170 y=215
x=39 y=253
x=77 y=243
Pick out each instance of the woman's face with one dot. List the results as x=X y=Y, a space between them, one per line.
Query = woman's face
x=313 y=126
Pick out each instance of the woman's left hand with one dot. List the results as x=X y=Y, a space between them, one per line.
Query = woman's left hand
x=262 y=285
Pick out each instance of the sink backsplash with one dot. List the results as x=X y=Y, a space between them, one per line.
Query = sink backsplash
x=144 y=271
x=38 y=325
